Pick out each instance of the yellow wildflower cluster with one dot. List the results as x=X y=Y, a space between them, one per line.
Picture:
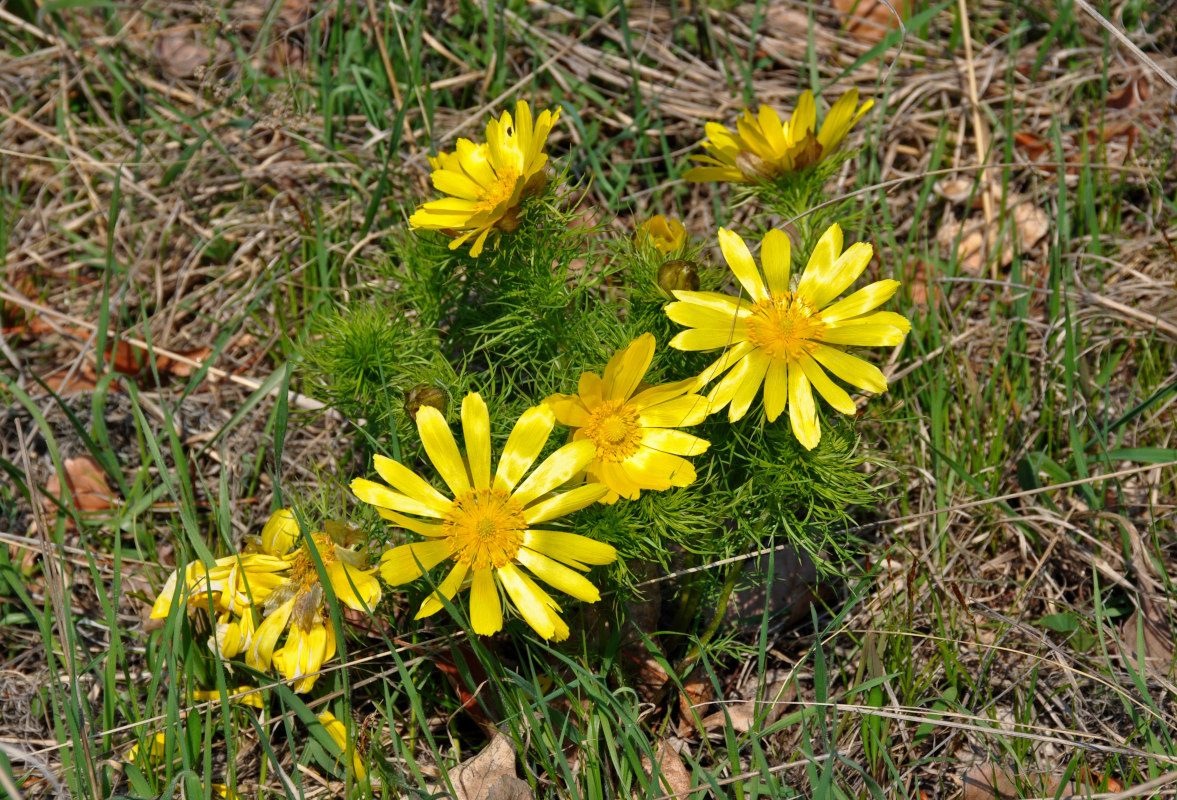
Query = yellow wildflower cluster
x=274 y=591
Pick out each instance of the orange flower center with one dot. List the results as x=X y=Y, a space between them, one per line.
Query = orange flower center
x=785 y=326
x=485 y=528
x=498 y=192
x=615 y=429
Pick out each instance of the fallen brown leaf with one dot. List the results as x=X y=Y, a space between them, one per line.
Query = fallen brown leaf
x=673 y=777
x=89 y=490
x=759 y=704
x=490 y=775
x=179 y=55
x=870 y=20
x=182 y=369
x=1029 y=223
x=1131 y=95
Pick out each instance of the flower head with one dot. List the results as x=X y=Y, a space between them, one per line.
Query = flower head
x=300 y=602
x=763 y=148
x=489 y=527
x=782 y=336
x=632 y=425
x=665 y=233
x=486 y=183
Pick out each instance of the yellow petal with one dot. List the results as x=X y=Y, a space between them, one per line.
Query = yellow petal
x=591 y=388
x=400 y=564
x=864 y=334
x=776 y=255
x=571 y=548
x=259 y=656
x=829 y=284
x=529 y=599
x=802 y=410
x=851 y=369
x=447 y=589
x=773 y=130
x=527 y=439
x=456 y=184
x=280 y=532
x=834 y=394
x=776 y=389
x=564 y=503
x=486 y=612
x=555 y=574
x=442 y=449
x=821 y=262
x=569 y=410
x=757 y=365
x=662 y=470
x=681 y=412
x=865 y=299
x=353 y=587
x=412 y=485
x=476 y=433
x=628 y=366
x=735 y=252
x=672 y=441
x=694 y=339
x=725 y=304
x=414 y=525
x=380 y=496
x=555 y=471
x=804 y=119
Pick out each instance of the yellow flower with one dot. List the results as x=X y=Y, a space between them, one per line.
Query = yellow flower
x=665 y=233
x=487 y=182
x=631 y=425
x=783 y=336
x=300 y=602
x=488 y=528
x=250 y=695
x=764 y=148
x=234 y=583
x=338 y=733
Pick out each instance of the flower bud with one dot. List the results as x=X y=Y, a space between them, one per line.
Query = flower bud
x=678 y=275
x=665 y=233
x=424 y=395
x=280 y=533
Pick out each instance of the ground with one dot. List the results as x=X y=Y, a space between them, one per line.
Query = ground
x=184 y=188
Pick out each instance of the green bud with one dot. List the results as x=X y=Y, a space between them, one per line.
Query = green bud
x=678 y=275
x=424 y=395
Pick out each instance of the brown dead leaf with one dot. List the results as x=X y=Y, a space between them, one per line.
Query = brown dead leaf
x=1029 y=223
x=87 y=484
x=697 y=693
x=180 y=56
x=65 y=382
x=870 y=20
x=182 y=369
x=125 y=358
x=1131 y=95
x=989 y=782
x=995 y=782
x=756 y=703
x=673 y=777
x=490 y=775
x=921 y=275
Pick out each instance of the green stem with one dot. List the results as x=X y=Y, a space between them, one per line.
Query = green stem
x=730 y=577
